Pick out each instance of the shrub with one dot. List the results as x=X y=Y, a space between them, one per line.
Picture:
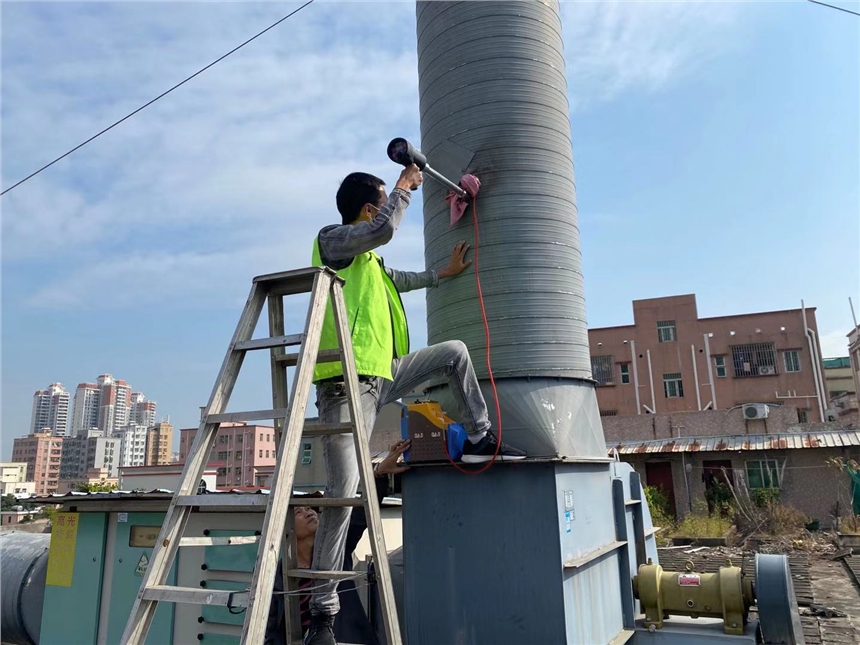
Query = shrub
x=661 y=513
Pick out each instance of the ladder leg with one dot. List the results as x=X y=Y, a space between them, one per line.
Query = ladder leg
x=365 y=468
x=280 y=400
x=175 y=520
x=254 y=628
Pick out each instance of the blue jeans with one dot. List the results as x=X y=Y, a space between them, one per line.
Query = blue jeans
x=447 y=360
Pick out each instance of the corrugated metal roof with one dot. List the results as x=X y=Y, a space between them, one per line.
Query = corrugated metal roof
x=784 y=441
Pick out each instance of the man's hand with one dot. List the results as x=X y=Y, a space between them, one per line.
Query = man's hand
x=457 y=264
x=410 y=178
x=389 y=465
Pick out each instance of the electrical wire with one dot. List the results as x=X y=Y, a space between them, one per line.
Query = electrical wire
x=489 y=362
x=824 y=4
x=163 y=94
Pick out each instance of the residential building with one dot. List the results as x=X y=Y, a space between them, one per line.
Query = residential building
x=109 y=404
x=103 y=453
x=840 y=380
x=42 y=452
x=51 y=410
x=670 y=360
x=85 y=415
x=133 y=439
x=142 y=412
x=159 y=441
x=13 y=479
x=239 y=450
x=74 y=462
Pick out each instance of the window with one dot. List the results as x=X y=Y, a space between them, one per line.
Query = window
x=223 y=454
x=307 y=449
x=240 y=438
x=756 y=359
x=763 y=474
x=261 y=436
x=222 y=439
x=267 y=454
x=222 y=471
x=609 y=413
x=601 y=369
x=268 y=437
x=803 y=415
x=666 y=332
x=238 y=455
x=625 y=373
x=261 y=454
x=237 y=470
x=673 y=388
x=720 y=366
x=791 y=359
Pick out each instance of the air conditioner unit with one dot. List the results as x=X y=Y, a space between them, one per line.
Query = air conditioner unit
x=766 y=369
x=755 y=411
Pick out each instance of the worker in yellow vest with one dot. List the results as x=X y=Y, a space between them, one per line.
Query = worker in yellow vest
x=387 y=370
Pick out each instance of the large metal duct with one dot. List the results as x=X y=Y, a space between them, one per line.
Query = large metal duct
x=23 y=567
x=492 y=82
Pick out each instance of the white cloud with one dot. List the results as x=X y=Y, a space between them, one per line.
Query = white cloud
x=614 y=47
x=238 y=168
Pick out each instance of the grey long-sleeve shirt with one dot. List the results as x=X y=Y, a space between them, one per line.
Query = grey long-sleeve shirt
x=340 y=243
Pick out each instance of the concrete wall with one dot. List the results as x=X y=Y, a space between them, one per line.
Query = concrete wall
x=700 y=424
x=808 y=484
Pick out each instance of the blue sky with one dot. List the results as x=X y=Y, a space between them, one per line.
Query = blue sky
x=716 y=148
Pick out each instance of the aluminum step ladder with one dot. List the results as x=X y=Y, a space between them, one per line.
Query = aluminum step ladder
x=290 y=427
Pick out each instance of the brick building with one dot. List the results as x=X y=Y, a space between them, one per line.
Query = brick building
x=670 y=360
x=42 y=452
x=159 y=441
x=239 y=450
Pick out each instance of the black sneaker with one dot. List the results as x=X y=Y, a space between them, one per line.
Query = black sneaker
x=483 y=451
x=321 y=631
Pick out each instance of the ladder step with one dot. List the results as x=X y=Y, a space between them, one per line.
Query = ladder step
x=326 y=501
x=231 y=540
x=323 y=356
x=288 y=283
x=253 y=415
x=324 y=575
x=223 y=499
x=267 y=343
x=196 y=596
x=320 y=429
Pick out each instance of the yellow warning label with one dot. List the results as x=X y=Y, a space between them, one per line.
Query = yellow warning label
x=61 y=556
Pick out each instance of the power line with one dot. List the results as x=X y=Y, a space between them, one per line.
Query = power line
x=824 y=4
x=163 y=94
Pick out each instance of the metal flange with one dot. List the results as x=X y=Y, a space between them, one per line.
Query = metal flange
x=779 y=616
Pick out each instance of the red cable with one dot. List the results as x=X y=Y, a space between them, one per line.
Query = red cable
x=489 y=363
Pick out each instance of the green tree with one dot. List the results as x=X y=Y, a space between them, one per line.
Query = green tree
x=96 y=487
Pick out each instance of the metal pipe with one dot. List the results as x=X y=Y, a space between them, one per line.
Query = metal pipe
x=444 y=181
x=24 y=562
x=696 y=378
x=819 y=362
x=812 y=359
x=651 y=381
x=710 y=371
x=635 y=375
x=853 y=315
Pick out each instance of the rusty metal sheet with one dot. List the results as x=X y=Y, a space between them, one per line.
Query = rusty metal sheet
x=782 y=441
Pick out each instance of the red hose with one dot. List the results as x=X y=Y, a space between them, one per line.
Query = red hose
x=489 y=363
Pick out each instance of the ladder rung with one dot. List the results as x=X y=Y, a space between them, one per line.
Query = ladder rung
x=253 y=415
x=222 y=499
x=319 y=429
x=326 y=501
x=266 y=343
x=231 y=540
x=323 y=356
x=290 y=282
x=324 y=575
x=221 y=629
x=196 y=596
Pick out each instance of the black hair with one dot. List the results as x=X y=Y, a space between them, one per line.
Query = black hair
x=356 y=190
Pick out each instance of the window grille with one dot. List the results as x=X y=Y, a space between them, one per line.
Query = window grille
x=755 y=359
x=666 y=331
x=673 y=386
x=601 y=369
